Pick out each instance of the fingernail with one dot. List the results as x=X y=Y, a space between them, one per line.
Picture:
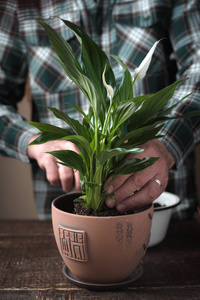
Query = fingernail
x=121 y=208
x=110 y=203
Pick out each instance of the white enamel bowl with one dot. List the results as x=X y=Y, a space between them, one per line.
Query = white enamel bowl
x=162 y=216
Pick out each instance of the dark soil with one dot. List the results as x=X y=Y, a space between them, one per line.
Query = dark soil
x=106 y=212
x=80 y=210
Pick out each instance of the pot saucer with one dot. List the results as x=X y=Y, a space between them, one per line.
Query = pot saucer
x=111 y=286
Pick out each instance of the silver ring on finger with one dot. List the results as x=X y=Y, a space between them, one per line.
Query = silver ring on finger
x=157 y=181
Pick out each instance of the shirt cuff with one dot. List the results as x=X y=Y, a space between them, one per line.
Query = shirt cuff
x=23 y=143
x=179 y=138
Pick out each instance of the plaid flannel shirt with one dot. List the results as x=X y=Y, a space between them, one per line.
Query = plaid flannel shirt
x=123 y=27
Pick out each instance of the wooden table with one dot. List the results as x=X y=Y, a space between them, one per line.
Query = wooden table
x=31 y=267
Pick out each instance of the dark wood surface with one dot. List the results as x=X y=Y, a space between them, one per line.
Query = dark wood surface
x=31 y=267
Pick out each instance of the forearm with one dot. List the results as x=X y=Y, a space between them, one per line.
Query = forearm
x=15 y=134
x=180 y=136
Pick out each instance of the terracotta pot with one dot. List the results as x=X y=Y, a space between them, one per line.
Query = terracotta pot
x=100 y=249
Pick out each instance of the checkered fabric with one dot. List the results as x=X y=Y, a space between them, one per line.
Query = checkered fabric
x=123 y=27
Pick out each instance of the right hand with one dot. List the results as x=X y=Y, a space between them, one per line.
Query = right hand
x=56 y=173
x=138 y=189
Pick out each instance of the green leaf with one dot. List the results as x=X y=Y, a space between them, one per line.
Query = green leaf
x=94 y=59
x=80 y=142
x=70 y=159
x=85 y=85
x=64 y=52
x=125 y=110
x=134 y=165
x=168 y=110
x=120 y=62
x=164 y=119
x=83 y=113
x=140 y=136
x=105 y=155
x=44 y=127
x=126 y=87
x=80 y=199
x=74 y=124
x=125 y=91
x=46 y=137
x=70 y=64
x=152 y=106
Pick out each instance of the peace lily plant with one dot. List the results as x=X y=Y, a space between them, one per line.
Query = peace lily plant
x=116 y=122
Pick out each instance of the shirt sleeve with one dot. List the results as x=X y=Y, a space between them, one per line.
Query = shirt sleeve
x=181 y=136
x=15 y=132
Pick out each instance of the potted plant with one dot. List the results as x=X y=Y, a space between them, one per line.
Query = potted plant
x=114 y=126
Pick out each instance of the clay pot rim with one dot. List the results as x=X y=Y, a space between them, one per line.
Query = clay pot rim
x=136 y=212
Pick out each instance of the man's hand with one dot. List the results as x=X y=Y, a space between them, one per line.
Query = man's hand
x=136 y=190
x=56 y=173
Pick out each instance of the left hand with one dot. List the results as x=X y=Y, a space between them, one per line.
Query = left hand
x=138 y=189
x=56 y=173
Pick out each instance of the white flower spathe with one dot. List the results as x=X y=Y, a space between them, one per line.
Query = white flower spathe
x=110 y=91
x=141 y=71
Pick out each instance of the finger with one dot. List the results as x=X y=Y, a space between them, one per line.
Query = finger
x=50 y=167
x=123 y=189
x=113 y=188
x=119 y=180
x=138 y=180
x=77 y=183
x=145 y=196
x=132 y=184
x=66 y=176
